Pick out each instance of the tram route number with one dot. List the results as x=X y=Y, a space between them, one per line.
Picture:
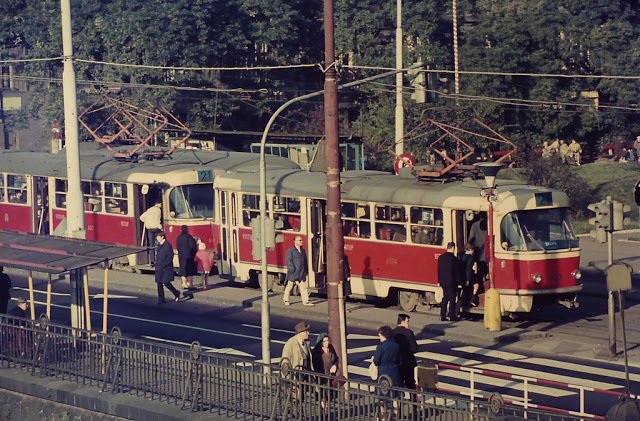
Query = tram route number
x=205 y=176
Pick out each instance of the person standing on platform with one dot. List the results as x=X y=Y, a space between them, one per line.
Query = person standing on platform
x=5 y=290
x=204 y=262
x=187 y=249
x=152 y=220
x=297 y=272
x=448 y=278
x=405 y=338
x=164 y=268
x=468 y=274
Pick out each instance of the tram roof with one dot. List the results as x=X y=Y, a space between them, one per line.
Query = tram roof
x=376 y=186
x=55 y=255
x=96 y=163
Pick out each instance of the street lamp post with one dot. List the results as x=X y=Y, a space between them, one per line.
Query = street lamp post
x=492 y=311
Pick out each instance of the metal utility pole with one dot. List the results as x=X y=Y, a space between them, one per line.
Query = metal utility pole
x=75 y=210
x=611 y=304
x=456 y=70
x=335 y=241
x=399 y=126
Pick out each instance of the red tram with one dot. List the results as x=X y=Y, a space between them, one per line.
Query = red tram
x=394 y=228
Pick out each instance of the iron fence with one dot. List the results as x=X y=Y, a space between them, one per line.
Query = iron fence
x=226 y=385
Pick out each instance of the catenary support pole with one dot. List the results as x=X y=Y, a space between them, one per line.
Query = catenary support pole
x=399 y=115
x=335 y=240
x=611 y=304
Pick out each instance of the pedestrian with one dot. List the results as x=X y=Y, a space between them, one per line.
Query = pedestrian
x=448 y=278
x=297 y=353
x=297 y=272
x=563 y=150
x=152 y=220
x=187 y=249
x=204 y=263
x=575 y=152
x=469 y=268
x=405 y=338
x=19 y=342
x=477 y=237
x=5 y=290
x=387 y=358
x=324 y=359
x=164 y=268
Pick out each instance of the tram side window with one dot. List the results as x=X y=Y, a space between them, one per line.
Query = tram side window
x=286 y=212
x=61 y=193
x=1 y=187
x=391 y=223
x=250 y=208
x=116 y=198
x=17 y=188
x=92 y=194
x=426 y=225
x=356 y=219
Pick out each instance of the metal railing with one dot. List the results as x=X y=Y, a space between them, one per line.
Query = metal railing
x=225 y=385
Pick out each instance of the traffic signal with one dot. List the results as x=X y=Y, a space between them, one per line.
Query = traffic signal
x=602 y=220
x=599 y=235
x=618 y=215
x=256 y=237
x=419 y=83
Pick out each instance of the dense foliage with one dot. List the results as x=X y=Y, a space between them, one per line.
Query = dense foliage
x=566 y=49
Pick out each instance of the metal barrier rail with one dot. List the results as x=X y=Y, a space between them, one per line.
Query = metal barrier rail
x=227 y=385
x=527 y=381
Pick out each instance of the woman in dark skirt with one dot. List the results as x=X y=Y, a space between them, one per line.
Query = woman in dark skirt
x=187 y=249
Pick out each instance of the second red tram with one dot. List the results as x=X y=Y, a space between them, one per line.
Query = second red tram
x=394 y=228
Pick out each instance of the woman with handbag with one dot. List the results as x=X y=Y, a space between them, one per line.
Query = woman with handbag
x=325 y=361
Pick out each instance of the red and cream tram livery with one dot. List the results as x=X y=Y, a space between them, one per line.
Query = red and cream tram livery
x=33 y=193
x=395 y=228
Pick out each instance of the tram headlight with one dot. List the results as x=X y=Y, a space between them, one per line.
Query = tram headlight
x=536 y=277
x=576 y=274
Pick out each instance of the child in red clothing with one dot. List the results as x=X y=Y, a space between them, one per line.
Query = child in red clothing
x=204 y=260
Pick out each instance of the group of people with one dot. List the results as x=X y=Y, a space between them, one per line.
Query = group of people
x=462 y=278
x=193 y=257
x=394 y=356
x=570 y=153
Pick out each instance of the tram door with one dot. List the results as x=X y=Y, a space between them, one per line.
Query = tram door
x=40 y=207
x=317 y=222
x=229 y=233
x=459 y=230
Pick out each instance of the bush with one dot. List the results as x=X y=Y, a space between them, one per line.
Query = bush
x=551 y=172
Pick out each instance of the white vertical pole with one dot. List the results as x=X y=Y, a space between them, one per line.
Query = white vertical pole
x=75 y=211
x=456 y=69
x=399 y=116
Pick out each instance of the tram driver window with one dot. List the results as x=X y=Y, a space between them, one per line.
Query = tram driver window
x=17 y=188
x=356 y=219
x=116 y=198
x=192 y=201
x=1 y=187
x=391 y=223
x=426 y=225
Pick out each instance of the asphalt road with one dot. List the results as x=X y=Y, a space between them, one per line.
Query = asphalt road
x=555 y=344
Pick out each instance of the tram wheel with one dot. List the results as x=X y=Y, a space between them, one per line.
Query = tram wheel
x=270 y=279
x=408 y=300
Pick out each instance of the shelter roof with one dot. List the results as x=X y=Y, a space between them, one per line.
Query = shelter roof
x=55 y=255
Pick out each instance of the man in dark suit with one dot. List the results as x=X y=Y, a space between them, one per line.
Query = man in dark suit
x=408 y=348
x=449 y=279
x=164 y=268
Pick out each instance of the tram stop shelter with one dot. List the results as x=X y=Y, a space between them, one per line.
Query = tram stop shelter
x=58 y=255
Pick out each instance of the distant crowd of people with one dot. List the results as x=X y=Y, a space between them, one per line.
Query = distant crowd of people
x=568 y=153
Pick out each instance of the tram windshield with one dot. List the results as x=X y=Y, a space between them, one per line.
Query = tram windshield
x=537 y=230
x=191 y=201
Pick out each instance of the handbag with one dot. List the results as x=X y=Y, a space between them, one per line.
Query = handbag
x=339 y=381
x=373 y=371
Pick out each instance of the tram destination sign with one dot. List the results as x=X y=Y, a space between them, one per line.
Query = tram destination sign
x=205 y=176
